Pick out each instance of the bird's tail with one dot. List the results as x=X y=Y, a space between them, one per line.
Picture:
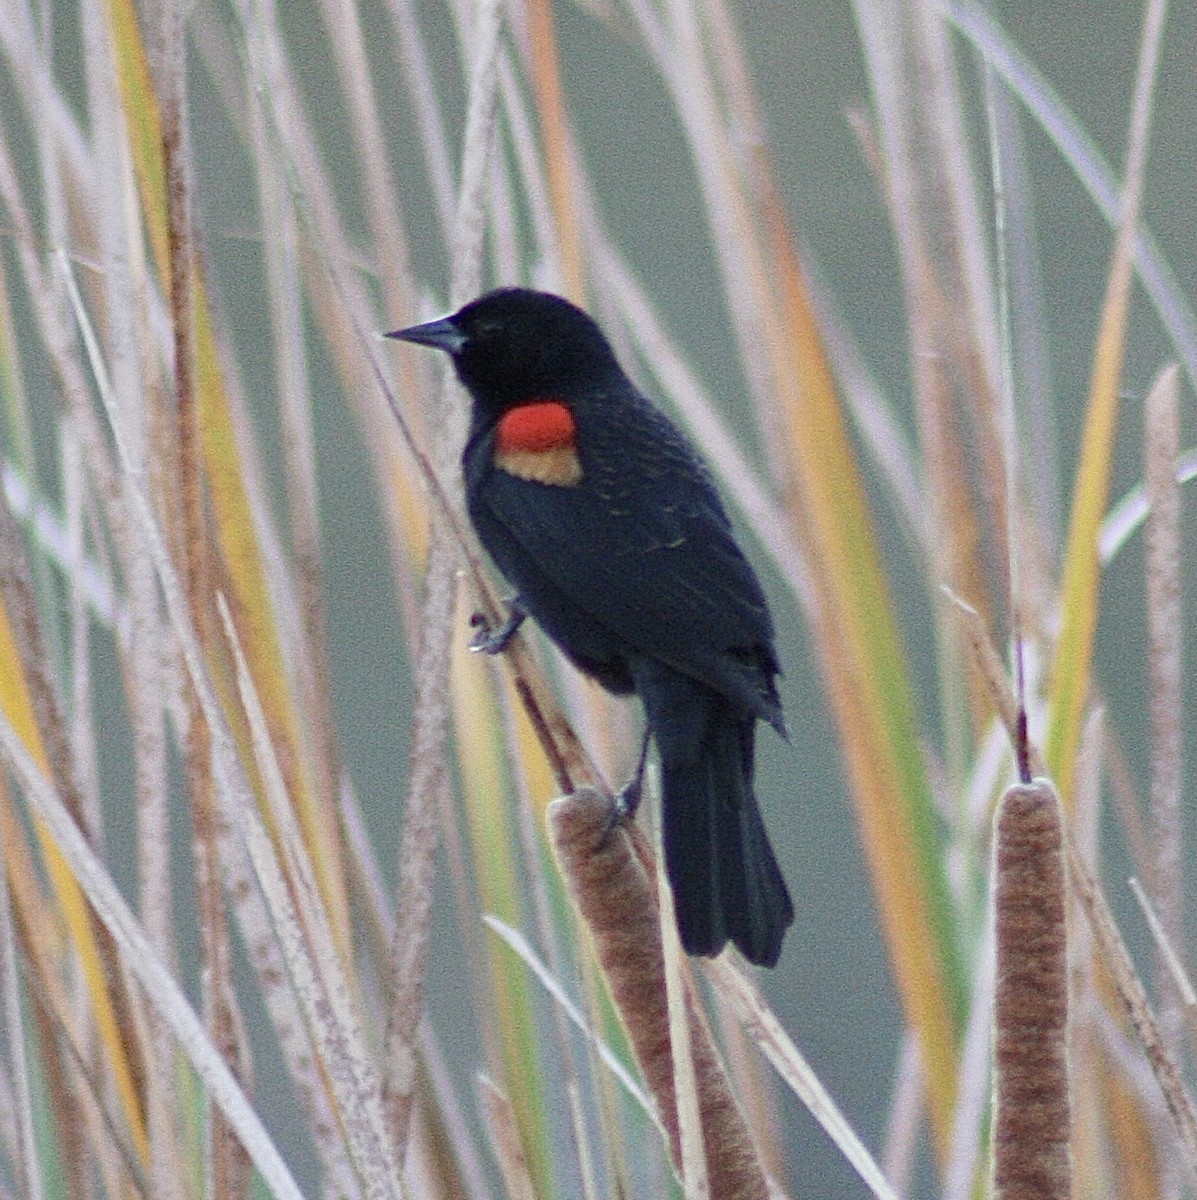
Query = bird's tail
x=726 y=883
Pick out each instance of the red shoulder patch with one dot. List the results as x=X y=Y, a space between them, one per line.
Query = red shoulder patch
x=538 y=442
x=536 y=427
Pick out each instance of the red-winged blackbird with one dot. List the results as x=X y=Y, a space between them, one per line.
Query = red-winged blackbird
x=603 y=516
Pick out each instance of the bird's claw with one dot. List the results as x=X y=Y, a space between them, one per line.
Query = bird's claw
x=495 y=641
x=627 y=799
x=626 y=802
x=623 y=810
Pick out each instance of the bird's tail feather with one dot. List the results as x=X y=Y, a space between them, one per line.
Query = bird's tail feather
x=726 y=883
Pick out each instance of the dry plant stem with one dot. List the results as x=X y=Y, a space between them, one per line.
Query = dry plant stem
x=28 y=1171
x=39 y=929
x=505 y=1141
x=1046 y=109
x=1032 y=1123
x=738 y=990
x=1040 y=488
x=234 y=792
x=1165 y=666
x=526 y=178
x=988 y=663
x=1116 y=957
x=144 y=964
x=1079 y=584
x=745 y=275
x=138 y=378
x=313 y=671
x=304 y=931
x=907 y=1113
x=535 y=871
x=451 y=1131
x=446 y=1127
x=381 y=199
x=1172 y=960
x=965 y=267
x=409 y=960
x=974 y=1095
x=756 y=1088
x=695 y=1176
x=229 y=1164
x=116 y=1152
x=416 y=71
x=900 y=132
x=1007 y=420
x=616 y=897
x=16 y=595
x=960 y=274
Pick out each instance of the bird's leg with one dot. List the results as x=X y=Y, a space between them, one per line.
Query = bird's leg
x=494 y=641
x=627 y=799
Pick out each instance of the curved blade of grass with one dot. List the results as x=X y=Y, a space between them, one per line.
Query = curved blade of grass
x=524 y=950
x=762 y=1025
x=868 y=681
x=1082 y=571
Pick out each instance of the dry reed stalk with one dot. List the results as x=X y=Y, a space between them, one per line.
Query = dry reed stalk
x=1165 y=663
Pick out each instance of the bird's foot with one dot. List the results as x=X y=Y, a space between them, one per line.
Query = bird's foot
x=624 y=805
x=627 y=799
x=622 y=812
x=494 y=641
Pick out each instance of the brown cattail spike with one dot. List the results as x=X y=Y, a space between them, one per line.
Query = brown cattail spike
x=1032 y=1123
x=617 y=900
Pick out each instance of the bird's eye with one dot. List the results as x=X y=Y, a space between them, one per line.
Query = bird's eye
x=488 y=329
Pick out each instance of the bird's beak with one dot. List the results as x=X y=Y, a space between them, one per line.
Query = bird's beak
x=442 y=334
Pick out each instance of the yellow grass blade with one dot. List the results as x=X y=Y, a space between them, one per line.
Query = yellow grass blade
x=254 y=610
x=17 y=706
x=145 y=122
x=1079 y=588
x=865 y=668
x=1082 y=575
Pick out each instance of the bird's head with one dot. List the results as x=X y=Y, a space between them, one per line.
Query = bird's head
x=514 y=345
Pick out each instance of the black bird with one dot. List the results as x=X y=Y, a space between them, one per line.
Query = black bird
x=606 y=520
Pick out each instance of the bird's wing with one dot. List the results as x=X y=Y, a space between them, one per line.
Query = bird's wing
x=641 y=546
